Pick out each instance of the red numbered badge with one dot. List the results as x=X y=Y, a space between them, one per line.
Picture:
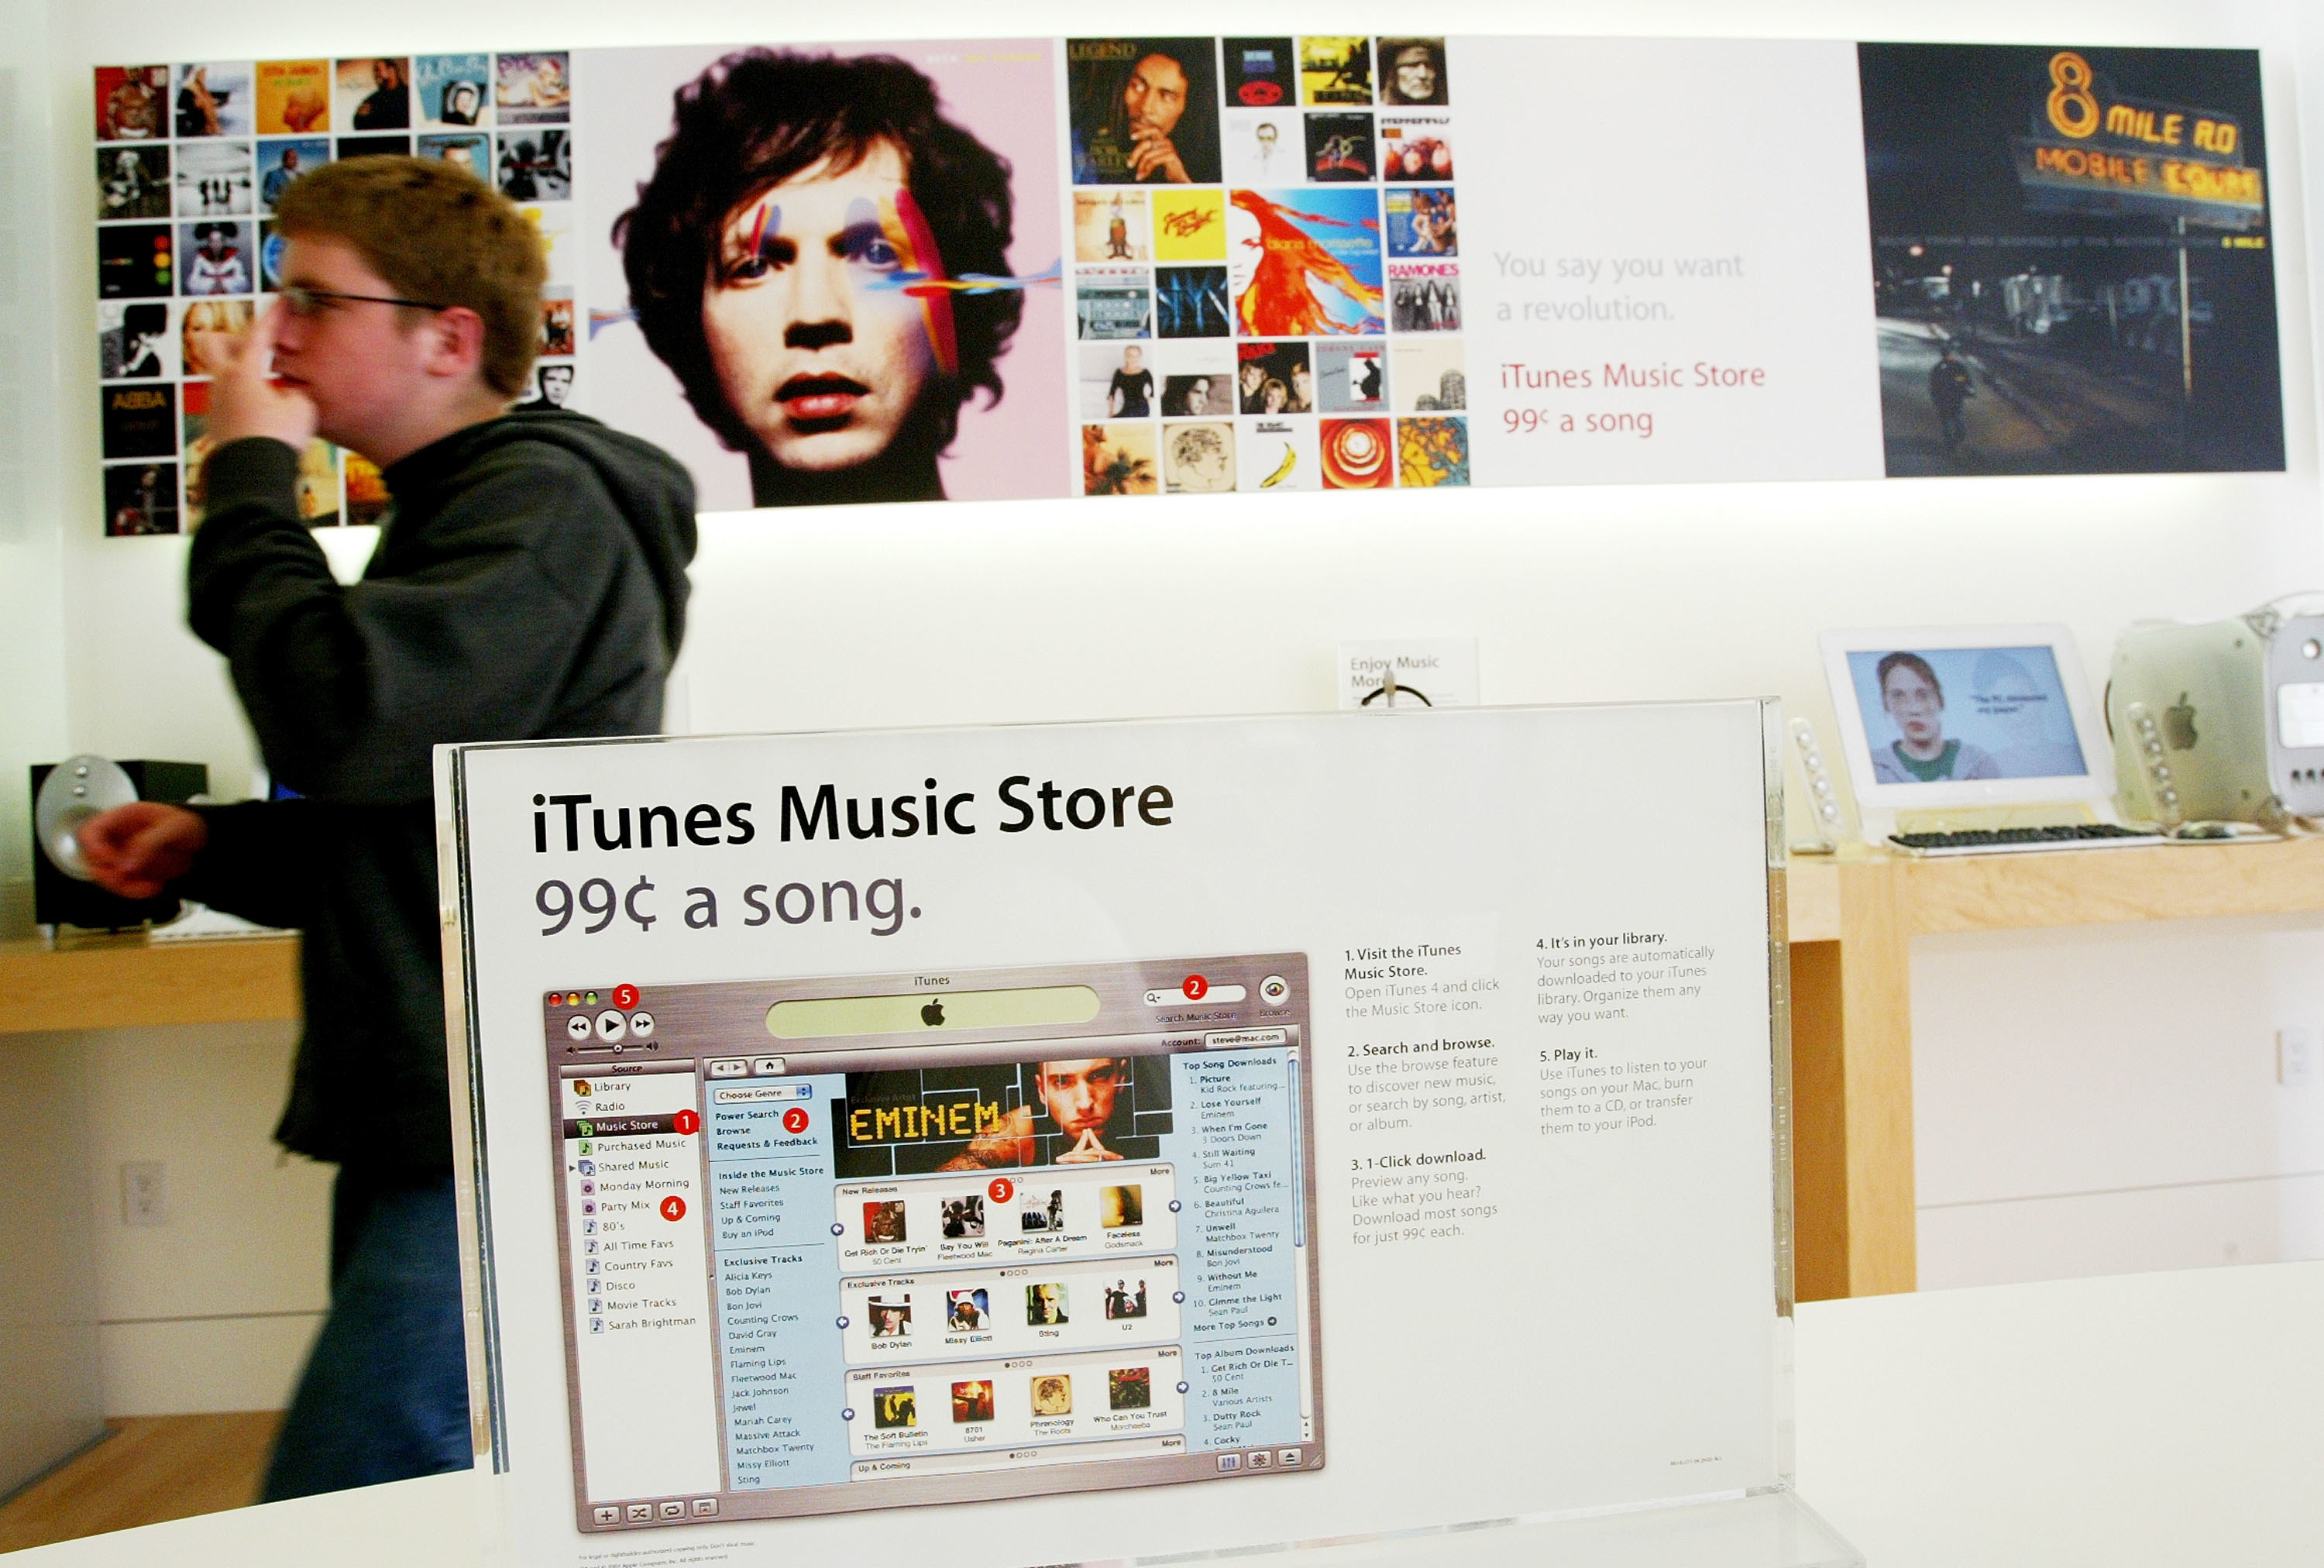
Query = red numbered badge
x=1001 y=1190
x=795 y=1119
x=625 y=997
x=1195 y=988
x=673 y=1207
x=686 y=1122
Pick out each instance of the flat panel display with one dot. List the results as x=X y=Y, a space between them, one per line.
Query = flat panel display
x=1953 y=714
x=1937 y=717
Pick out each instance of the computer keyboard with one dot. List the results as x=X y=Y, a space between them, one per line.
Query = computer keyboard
x=2015 y=840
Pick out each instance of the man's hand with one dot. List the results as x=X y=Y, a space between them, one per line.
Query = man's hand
x=1008 y=1141
x=138 y=849
x=1088 y=1151
x=1150 y=149
x=245 y=398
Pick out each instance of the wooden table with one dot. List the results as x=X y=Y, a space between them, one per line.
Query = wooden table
x=105 y=983
x=48 y=1287
x=1852 y=922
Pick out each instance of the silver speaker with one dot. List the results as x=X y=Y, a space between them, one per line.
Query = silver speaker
x=76 y=789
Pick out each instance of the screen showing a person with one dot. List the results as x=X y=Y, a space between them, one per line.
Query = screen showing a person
x=850 y=1243
x=1947 y=714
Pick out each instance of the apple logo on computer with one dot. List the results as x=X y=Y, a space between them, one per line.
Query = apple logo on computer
x=2178 y=724
x=932 y=1015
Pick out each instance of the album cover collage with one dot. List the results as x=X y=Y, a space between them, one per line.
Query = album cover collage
x=1266 y=258
x=190 y=160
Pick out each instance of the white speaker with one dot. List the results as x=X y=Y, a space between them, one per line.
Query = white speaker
x=1834 y=819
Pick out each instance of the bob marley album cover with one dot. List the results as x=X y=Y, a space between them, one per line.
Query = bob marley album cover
x=1143 y=110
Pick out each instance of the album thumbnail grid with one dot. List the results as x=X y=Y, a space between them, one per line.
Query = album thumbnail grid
x=1244 y=337
x=1034 y=1310
x=191 y=161
x=964 y=1407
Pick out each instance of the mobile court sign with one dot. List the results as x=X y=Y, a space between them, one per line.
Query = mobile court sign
x=2121 y=156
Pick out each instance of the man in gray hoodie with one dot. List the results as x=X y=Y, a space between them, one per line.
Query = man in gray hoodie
x=529 y=582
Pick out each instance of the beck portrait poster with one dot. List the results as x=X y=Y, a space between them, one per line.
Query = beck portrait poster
x=713 y=275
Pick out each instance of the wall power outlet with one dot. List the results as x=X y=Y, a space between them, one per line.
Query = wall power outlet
x=144 y=1198
x=2295 y=1058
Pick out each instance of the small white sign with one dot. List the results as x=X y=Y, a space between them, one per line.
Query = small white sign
x=1429 y=672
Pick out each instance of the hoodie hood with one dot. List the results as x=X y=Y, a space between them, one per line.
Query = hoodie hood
x=652 y=489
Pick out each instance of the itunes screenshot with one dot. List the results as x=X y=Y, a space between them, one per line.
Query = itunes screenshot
x=861 y=1241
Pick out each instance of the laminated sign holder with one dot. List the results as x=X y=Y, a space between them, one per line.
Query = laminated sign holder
x=939 y=1143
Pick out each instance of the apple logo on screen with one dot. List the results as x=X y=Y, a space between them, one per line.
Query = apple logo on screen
x=2178 y=724
x=932 y=1015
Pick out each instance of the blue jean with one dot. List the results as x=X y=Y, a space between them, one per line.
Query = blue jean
x=385 y=1393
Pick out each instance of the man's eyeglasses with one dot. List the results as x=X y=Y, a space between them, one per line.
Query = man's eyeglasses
x=301 y=300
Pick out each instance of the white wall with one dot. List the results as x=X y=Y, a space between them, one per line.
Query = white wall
x=2116 y=1107
x=1083 y=610
x=213 y=1310
x=47 y=1291
x=32 y=567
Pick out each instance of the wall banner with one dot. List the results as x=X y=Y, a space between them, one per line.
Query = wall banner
x=1010 y=268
